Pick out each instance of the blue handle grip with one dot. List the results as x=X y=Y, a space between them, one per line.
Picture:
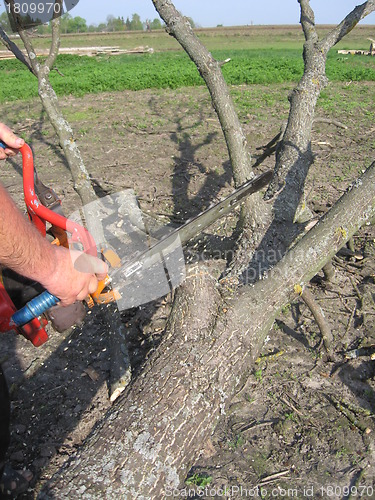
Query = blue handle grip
x=34 y=308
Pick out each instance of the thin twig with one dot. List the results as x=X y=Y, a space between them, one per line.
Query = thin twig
x=272 y=477
x=349 y=323
x=12 y=47
x=330 y=122
x=317 y=312
x=348 y=414
x=357 y=291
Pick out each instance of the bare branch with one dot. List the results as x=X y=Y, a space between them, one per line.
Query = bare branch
x=15 y=50
x=55 y=42
x=30 y=51
x=308 y=21
x=350 y=22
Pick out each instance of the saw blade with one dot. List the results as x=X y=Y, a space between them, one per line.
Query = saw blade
x=196 y=225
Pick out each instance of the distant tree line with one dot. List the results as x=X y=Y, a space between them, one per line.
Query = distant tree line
x=77 y=24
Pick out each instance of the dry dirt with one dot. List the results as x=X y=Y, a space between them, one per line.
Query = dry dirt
x=302 y=427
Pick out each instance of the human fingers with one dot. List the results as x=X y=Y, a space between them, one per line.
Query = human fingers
x=7 y=153
x=89 y=287
x=12 y=141
x=92 y=265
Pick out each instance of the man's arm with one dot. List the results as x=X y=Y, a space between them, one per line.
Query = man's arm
x=24 y=250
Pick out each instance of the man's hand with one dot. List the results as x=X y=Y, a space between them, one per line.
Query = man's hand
x=70 y=275
x=11 y=140
x=75 y=275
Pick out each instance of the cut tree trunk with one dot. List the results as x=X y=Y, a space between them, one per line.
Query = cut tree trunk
x=149 y=439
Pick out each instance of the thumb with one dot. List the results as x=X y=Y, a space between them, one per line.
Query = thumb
x=92 y=265
x=9 y=138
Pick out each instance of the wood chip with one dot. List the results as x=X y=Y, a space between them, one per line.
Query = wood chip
x=93 y=374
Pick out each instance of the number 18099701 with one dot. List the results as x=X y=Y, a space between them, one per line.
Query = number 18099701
x=32 y=8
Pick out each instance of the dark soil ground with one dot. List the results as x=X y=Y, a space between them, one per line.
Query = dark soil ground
x=303 y=427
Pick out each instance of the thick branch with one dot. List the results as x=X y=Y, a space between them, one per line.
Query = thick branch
x=308 y=21
x=82 y=183
x=349 y=23
x=210 y=71
x=147 y=442
x=294 y=157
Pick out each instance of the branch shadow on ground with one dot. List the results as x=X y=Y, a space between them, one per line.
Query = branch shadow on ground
x=54 y=397
x=280 y=235
x=35 y=132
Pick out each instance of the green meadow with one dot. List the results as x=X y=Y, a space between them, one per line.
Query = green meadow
x=264 y=55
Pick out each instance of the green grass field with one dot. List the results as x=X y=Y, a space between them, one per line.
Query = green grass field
x=258 y=56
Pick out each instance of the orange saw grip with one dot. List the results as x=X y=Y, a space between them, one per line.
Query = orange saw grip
x=111 y=295
x=105 y=298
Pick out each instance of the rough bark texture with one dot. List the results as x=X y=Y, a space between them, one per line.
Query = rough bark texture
x=255 y=215
x=294 y=157
x=210 y=70
x=147 y=441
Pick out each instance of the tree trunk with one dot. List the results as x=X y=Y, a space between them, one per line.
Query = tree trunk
x=146 y=443
x=294 y=156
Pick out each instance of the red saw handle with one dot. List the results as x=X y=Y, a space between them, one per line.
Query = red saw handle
x=41 y=214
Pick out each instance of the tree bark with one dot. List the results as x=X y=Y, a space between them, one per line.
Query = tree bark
x=146 y=443
x=294 y=156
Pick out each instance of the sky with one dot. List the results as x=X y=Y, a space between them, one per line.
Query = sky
x=210 y=13
x=207 y=13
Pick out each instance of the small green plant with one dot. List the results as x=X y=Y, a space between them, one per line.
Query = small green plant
x=290 y=416
x=285 y=309
x=237 y=442
x=249 y=399
x=341 y=452
x=258 y=375
x=198 y=480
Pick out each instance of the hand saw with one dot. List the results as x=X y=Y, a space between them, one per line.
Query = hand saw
x=156 y=271
x=159 y=252
x=196 y=225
